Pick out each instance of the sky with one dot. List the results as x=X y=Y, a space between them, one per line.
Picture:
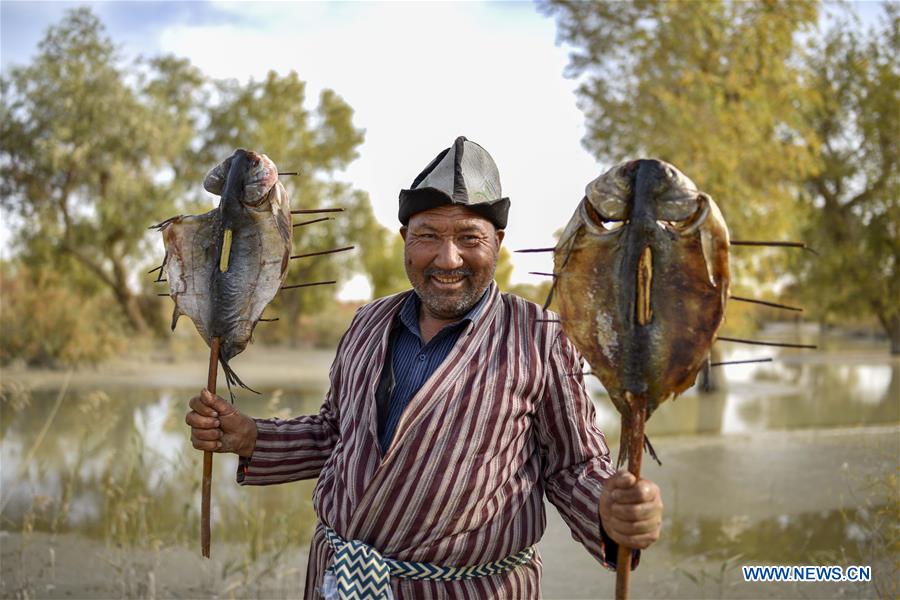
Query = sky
x=417 y=74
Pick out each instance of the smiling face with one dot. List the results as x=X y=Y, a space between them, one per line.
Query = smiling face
x=450 y=255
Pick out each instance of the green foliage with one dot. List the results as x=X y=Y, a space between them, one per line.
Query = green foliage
x=853 y=200
x=82 y=151
x=504 y=269
x=535 y=292
x=46 y=323
x=382 y=254
x=93 y=150
x=790 y=139
x=708 y=86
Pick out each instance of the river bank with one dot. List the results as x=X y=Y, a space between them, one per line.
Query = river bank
x=779 y=498
x=794 y=462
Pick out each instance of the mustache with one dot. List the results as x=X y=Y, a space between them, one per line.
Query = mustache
x=464 y=272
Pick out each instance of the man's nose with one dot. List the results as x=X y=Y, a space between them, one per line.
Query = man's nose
x=448 y=257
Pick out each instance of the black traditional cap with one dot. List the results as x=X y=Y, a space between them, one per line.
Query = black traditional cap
x=465 y=175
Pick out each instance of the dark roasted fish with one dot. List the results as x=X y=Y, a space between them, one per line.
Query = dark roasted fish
x=226 y=265
x=642 y=277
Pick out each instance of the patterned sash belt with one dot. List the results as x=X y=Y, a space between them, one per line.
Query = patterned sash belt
x=361 y=572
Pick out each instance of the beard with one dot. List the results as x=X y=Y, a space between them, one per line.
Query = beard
x=450 y=304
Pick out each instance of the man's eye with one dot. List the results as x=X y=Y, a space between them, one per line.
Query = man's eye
x=427 y=236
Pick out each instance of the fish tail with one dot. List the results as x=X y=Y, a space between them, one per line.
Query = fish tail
x=649 y=448
x=231 y=378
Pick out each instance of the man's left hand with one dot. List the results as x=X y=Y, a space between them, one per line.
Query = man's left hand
x=631 y=510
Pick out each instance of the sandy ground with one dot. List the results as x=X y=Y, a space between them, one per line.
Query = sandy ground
x=777 y=473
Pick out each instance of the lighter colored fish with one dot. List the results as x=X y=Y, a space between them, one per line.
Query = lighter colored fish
x=225 y=297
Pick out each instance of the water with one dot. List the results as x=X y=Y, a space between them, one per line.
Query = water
x=113 y=465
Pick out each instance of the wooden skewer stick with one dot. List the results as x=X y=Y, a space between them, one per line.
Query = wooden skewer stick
x=302 y=285
x=760 y=343
x=206 y=489
x=633 y=427
x=740 y=362
x=332 y=251
x=542 y=273
x=773 y=243
x=535 y=250
x=767 y=243
x=310 y=222
x=280 y=173
x=766 y=303
x=313 y=211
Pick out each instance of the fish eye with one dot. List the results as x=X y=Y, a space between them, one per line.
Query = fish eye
x=607 y=223
x=684 y=216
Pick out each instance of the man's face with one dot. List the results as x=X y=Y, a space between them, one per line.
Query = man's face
x=450 y=255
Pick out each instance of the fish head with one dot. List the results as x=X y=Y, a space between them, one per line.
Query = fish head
x=642 y=192
x=243 y=179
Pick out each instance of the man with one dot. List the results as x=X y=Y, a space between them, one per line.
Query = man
x=452 y=410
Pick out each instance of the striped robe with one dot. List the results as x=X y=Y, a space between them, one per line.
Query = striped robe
x=502 y=421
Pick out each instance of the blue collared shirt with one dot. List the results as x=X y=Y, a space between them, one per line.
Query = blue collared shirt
x=413 y=363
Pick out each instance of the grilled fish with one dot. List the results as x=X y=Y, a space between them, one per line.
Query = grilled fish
x=226 y=265
x=642 y=277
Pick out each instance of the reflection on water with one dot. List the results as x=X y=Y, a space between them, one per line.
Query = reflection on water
x=785 y=394
x=116 y=464
x=839 y=536
x=119 y=465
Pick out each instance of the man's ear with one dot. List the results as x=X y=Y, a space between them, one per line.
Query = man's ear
x=403 y=231
x=500 y=233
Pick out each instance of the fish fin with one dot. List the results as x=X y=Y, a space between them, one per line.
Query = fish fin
x=557 y=272
x=649 y=448
x=232 y=378
x=549 y=295
x=166 y=223
x=623 y=452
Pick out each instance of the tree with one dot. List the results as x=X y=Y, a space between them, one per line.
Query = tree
x=710 y=86
x=854 y=196
x=85 y=147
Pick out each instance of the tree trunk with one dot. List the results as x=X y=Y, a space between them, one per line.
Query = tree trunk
x=127 y=300
x=894 y=335
x=891 y=325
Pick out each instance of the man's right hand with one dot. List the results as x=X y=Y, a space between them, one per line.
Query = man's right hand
x=217 y=426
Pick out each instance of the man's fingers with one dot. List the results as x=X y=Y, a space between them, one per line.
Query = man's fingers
x=198 y=421
x=618 y=529
x=200 y=407
x=639 y=542
x=622 y=479
x=208 y=446
x=216 y=403
x=206 y=434
x=643 y=491
x=635 y=512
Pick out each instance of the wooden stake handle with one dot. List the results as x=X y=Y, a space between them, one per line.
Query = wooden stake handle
x=206 y=489
x=633 y=427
